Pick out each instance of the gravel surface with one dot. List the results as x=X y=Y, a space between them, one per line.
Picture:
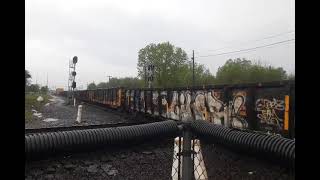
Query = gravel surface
x=58 y=114
x=222 y=163
x=146 y=161
x=152 y=160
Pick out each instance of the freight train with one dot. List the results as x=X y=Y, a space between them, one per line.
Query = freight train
x=262 y=107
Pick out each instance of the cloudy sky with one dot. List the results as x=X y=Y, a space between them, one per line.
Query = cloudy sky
x=106 y=35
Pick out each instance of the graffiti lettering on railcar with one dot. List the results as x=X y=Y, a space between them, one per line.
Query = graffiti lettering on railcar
x=155 y=102
x=164 y=104
x=216 y=107
x=132 y=100
x=173 y=111
x=199 y=107
x=270 y=111
x=185 y=105
x=128 y=98
x=118 y=97
x=137 y=99
x=238 y=110
x=142 y=102
x=148 y=101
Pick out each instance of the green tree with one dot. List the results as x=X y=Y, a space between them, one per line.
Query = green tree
x=27 y=77
x=44 y=89
x=102 y=85
x=167 y=60
x=172 y=67
x=244 y=71
x=92 y=86
x=33 y=88
x=130 y=82
x=201 y=73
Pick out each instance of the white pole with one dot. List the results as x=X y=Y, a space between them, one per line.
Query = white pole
x=79 y=114
x=74 y=102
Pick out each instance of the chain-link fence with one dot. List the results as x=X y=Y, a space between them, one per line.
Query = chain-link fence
x=176 y=172
x=199 y=169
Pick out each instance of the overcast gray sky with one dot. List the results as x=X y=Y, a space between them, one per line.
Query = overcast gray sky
x=107 y=35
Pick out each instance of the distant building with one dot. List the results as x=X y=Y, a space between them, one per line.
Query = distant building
x=59 y=90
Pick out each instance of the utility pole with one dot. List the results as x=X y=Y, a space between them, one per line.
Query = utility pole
x=193 y=68
x=69 y=80
x=109 y=77
x=145 y=76
x=150 y=74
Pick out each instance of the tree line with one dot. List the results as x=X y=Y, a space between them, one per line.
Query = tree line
x=33 y=87
x=173 y=68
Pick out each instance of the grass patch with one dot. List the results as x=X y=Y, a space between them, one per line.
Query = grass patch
x=32 y=103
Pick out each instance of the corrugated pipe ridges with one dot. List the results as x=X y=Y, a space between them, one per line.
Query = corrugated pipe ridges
x=271 y=146
x=68 y=140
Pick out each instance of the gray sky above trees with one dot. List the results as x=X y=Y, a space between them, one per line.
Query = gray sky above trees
x=107 y=35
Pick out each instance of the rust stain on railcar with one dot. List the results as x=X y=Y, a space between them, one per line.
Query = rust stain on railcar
x=286 y=113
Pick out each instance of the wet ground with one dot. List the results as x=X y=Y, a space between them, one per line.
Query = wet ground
x=57 y=113
x=151 y=160
x=144 y=161
x=223 y=163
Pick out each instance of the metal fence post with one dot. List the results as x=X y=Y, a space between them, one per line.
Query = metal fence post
x=187 y=166
x=179 y=160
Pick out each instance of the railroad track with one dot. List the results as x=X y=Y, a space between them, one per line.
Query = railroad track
x=79 y=127
x=138 y=121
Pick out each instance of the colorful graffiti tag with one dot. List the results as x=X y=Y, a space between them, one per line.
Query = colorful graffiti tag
x=269 y=112
x=137 y=100
x=155 y=96
x=238 y=110
x=199 y=107
x=164 y=104
x=262 y=107
x=132 y=100
x=185 y=108
x=229 y=109
x=142 y=102
x=216 y=107
x=173 y=110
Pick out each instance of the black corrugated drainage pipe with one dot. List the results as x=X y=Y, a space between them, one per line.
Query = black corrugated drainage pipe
x=52 y=142
x=275 y=147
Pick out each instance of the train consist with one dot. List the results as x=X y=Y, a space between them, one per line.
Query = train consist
x=264 y=107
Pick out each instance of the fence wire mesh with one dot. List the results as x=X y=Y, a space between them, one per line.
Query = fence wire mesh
x=177 y=159
x=199 y=169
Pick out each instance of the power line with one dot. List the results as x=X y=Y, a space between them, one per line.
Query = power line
x=258 y=47
x=268 y=37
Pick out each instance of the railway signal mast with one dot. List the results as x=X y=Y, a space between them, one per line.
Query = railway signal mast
x=109 y=81
x=150 y=74
x=72 y=77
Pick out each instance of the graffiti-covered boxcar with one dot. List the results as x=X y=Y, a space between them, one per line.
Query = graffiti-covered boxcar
x=264 y=107
x=108 y=97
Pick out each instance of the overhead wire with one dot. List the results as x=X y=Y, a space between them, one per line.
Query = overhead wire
x=257 y=40
x=248 y=49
